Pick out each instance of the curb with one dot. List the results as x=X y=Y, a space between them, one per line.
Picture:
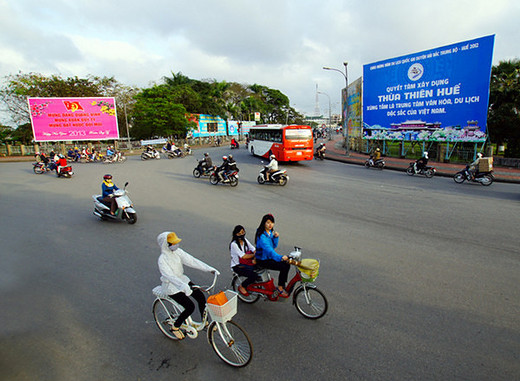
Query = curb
x=392 y=167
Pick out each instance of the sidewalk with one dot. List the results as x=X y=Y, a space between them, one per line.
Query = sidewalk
x=337 y=153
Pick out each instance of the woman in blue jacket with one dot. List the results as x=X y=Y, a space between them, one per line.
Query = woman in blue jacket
x=266 y=256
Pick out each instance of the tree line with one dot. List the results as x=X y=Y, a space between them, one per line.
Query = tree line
x=162 y=109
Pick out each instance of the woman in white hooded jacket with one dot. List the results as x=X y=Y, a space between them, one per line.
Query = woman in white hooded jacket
x=175 y=283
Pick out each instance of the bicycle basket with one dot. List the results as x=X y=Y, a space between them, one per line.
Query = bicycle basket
x=226 y=311
x=309 y=269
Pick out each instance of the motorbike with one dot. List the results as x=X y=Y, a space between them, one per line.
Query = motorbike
x=125 y=208
x=149 y=155
x=278 y=177
x=319 y=155
x=426 y=171
x=231 y=179
x=307 y=298
x=380 y=163
x=202 y=171
x=40 y=167
x=236 y=145
x=187 y=150
x=484 y=178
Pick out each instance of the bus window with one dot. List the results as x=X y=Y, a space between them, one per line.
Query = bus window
x=302 y=134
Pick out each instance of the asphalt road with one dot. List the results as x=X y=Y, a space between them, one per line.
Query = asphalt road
x=421 y=274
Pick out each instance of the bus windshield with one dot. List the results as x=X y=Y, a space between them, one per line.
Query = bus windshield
x=294 y=134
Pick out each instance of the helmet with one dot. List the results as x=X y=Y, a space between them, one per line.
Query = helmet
x=224 y=157
x=272 y=157
x=425 y=154
x=230 y=157
x=377 y=149
x=107 y=177
x=479 y=155
x=206 y=154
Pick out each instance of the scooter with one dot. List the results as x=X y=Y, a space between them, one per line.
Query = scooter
x=231 y=179
x=118 y=157
x=279 y=177
x=152 y=154
x=125 y=209
x=40 y=167
x=66 y=172
x=426 y=171
x=380 y=163
x=307 y=298
x=484 y=178
x=319 y=154
x=202 y=171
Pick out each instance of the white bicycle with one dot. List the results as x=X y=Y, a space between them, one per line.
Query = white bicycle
x=229 y=341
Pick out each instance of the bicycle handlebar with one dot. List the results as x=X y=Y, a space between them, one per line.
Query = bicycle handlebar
x=206 y=289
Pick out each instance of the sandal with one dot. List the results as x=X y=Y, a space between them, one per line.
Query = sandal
x=283 y=293
x=243 y=291
x=177 y=332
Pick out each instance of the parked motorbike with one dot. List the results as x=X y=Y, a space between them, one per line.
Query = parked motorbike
x=426 y=171
x=278 y=177
x=307 y=298
x=376 y=164
x=202 y=171
x=231 y=179
x=484 y=178
x=150 y=155
x=125 y=208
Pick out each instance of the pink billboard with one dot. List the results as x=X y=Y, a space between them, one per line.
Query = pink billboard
x=59 y=119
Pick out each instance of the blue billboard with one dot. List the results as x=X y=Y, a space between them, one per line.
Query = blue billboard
x=440 y=94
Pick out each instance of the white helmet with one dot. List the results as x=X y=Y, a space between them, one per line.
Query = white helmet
x=425 y=154
x=272 y=157
x=479 y=155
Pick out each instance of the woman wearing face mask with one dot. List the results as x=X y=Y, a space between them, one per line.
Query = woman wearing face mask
x=175 y=283
x=242 y=258
x=266 y=256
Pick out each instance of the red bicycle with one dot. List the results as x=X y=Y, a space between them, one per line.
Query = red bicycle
x=307 y=298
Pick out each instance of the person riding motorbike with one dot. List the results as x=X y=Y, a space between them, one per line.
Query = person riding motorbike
x=175 y=283
x=272 y=167
x=60 y=163
x=107 y=192
x=421 y=163
x=473 y=167
x=320 y=150
x=222 y=168
x=234 y=143
x=375 y=157
x=206 y=163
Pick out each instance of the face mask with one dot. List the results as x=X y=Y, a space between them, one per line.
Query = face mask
x=174 y=247
x=241 y=236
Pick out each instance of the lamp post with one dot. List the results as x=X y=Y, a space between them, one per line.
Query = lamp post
x=330 y=133
x=345 y=117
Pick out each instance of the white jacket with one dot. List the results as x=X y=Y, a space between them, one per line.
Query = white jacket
x=171 y=267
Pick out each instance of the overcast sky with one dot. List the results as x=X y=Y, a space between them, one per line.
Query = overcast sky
x=276 y=43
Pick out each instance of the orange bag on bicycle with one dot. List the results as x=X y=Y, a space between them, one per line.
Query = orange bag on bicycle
x=219 y=299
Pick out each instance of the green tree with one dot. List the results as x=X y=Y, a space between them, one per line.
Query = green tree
x=157 y=114
x=504 y=106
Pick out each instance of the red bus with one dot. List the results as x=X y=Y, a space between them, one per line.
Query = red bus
x=287 y=143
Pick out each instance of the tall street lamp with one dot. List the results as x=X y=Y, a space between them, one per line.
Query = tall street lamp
x=345 y=117
x=330 y=133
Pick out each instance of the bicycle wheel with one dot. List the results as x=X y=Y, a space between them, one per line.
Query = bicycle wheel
x=231 y=343
x=251 y=298
x=165 y=313
x=310 y=302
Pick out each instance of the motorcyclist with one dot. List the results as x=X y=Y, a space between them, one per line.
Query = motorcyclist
x=60 y=163
x=222 y=168
x=320 y=150
x=231 y=166
x=110 y=152
x=473 y=167
x=272 y=167
x=107 y=189
x=234 y=143
x=206 y=163
x=375 y=156
x=187 y=149
x=421 y=163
